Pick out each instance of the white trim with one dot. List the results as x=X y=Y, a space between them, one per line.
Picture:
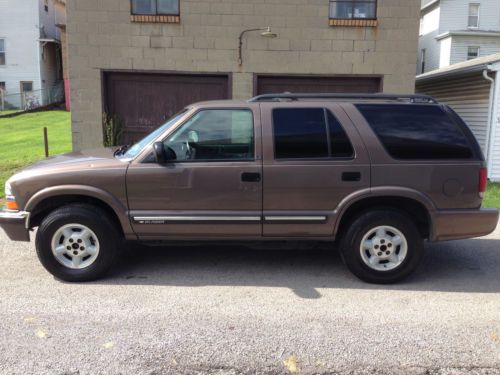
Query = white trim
x=494 y=119
x=472 y=32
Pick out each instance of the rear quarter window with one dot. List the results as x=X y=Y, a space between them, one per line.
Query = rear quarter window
x=410 y=131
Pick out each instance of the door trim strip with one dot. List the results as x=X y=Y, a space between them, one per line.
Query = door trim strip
x=295 y=218
x=227 y=218
x=154 y=219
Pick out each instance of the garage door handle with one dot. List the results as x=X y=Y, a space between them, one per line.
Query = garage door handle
x=351 y=176
x=250 y=177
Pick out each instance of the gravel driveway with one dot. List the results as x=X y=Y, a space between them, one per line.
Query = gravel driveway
x=232 y=310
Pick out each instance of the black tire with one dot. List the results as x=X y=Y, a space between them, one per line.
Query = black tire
x=90 y=216
x=351 y=242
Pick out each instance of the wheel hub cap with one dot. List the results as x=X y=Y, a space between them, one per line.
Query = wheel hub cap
x=75 y=246
x=383 y=248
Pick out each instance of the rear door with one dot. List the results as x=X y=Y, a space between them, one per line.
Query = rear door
x=313 y=159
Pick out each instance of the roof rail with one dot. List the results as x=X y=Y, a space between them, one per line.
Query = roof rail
x=412 y=98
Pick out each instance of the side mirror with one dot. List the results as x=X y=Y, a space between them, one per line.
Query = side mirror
x=163 y=153
x=159 y=153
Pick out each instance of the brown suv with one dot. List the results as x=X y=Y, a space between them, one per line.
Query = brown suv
x=378 y=174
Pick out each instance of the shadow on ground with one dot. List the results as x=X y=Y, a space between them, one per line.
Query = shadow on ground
x=458 y=266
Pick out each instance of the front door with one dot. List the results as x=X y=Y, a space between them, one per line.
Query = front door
x=214 y=186
x=313 y=159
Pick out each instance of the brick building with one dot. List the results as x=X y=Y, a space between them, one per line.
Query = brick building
x=143 y=60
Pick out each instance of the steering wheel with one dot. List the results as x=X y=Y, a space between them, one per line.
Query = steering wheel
x=186 y=148
x=192 y=137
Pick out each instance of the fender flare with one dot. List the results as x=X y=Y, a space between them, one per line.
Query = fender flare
x=384 y=192
x=118 y=208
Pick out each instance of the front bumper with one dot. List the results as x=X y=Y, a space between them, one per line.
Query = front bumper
x=459 y=224
x=14 y=224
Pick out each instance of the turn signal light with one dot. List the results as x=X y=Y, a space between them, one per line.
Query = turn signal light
x=11 y=205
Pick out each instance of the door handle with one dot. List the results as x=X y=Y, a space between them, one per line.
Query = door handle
x=351 y=176
x=250 y=177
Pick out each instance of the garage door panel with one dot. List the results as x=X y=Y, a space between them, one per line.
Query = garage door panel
x=142 y=102
x=317 y=84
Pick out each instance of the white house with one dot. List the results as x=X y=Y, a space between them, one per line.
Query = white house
x=472 y=89
x=452 y=31
x=30 y=53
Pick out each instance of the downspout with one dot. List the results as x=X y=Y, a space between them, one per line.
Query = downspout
x=490 y=116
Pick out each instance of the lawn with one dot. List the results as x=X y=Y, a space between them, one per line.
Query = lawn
x=492 y=198
x=21 y=141
x=9 y=111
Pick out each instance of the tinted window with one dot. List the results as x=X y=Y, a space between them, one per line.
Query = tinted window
x=340 y=145
x=416 y=131
x=303 y=133
x=216 y=134
x=300 y=133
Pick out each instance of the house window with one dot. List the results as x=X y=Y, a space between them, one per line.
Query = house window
x=353 y=12
x=422 y=60
x=26 y=86
x=2 y=51
x=155 y=7
x=2 y=86
x=472 y=53
x=473 y=16
x=155 y=11
x=46 y=5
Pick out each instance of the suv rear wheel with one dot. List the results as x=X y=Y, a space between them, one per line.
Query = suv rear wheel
x=77 y=242
x=382 y=246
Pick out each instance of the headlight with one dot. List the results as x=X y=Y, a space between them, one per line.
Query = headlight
x=8 y=190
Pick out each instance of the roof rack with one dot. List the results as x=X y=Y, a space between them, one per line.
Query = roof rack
x=412 y=98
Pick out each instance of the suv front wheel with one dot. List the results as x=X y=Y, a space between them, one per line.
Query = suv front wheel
x=382 y=246
x=77 y=242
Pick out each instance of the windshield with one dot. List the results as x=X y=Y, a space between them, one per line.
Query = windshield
x=133 y=151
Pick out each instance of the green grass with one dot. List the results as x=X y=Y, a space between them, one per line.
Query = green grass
x=10 y=111
x=21 y=140
x=492 y=198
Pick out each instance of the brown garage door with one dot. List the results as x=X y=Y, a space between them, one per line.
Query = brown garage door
x=316 y=84
x=142 y=102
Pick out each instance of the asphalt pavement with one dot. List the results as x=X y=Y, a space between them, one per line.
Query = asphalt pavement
x=228 y=309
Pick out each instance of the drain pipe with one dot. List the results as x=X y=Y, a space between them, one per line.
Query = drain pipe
x=490 y=115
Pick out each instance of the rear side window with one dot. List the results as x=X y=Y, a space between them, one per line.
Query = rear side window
x=340 y=146
x=416 y=131
x=304 y=133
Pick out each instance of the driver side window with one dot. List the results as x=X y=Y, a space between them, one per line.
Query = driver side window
x=214 y=134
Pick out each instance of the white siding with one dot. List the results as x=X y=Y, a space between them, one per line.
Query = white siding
x=445 y=52
x=18 y=25
x=468 y=96
x=430 y=21
x=494 y=162
x=487 y=46
x=454 y=15
x=427 y=40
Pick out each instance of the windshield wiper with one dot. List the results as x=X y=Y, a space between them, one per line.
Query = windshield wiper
x=121 y=150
